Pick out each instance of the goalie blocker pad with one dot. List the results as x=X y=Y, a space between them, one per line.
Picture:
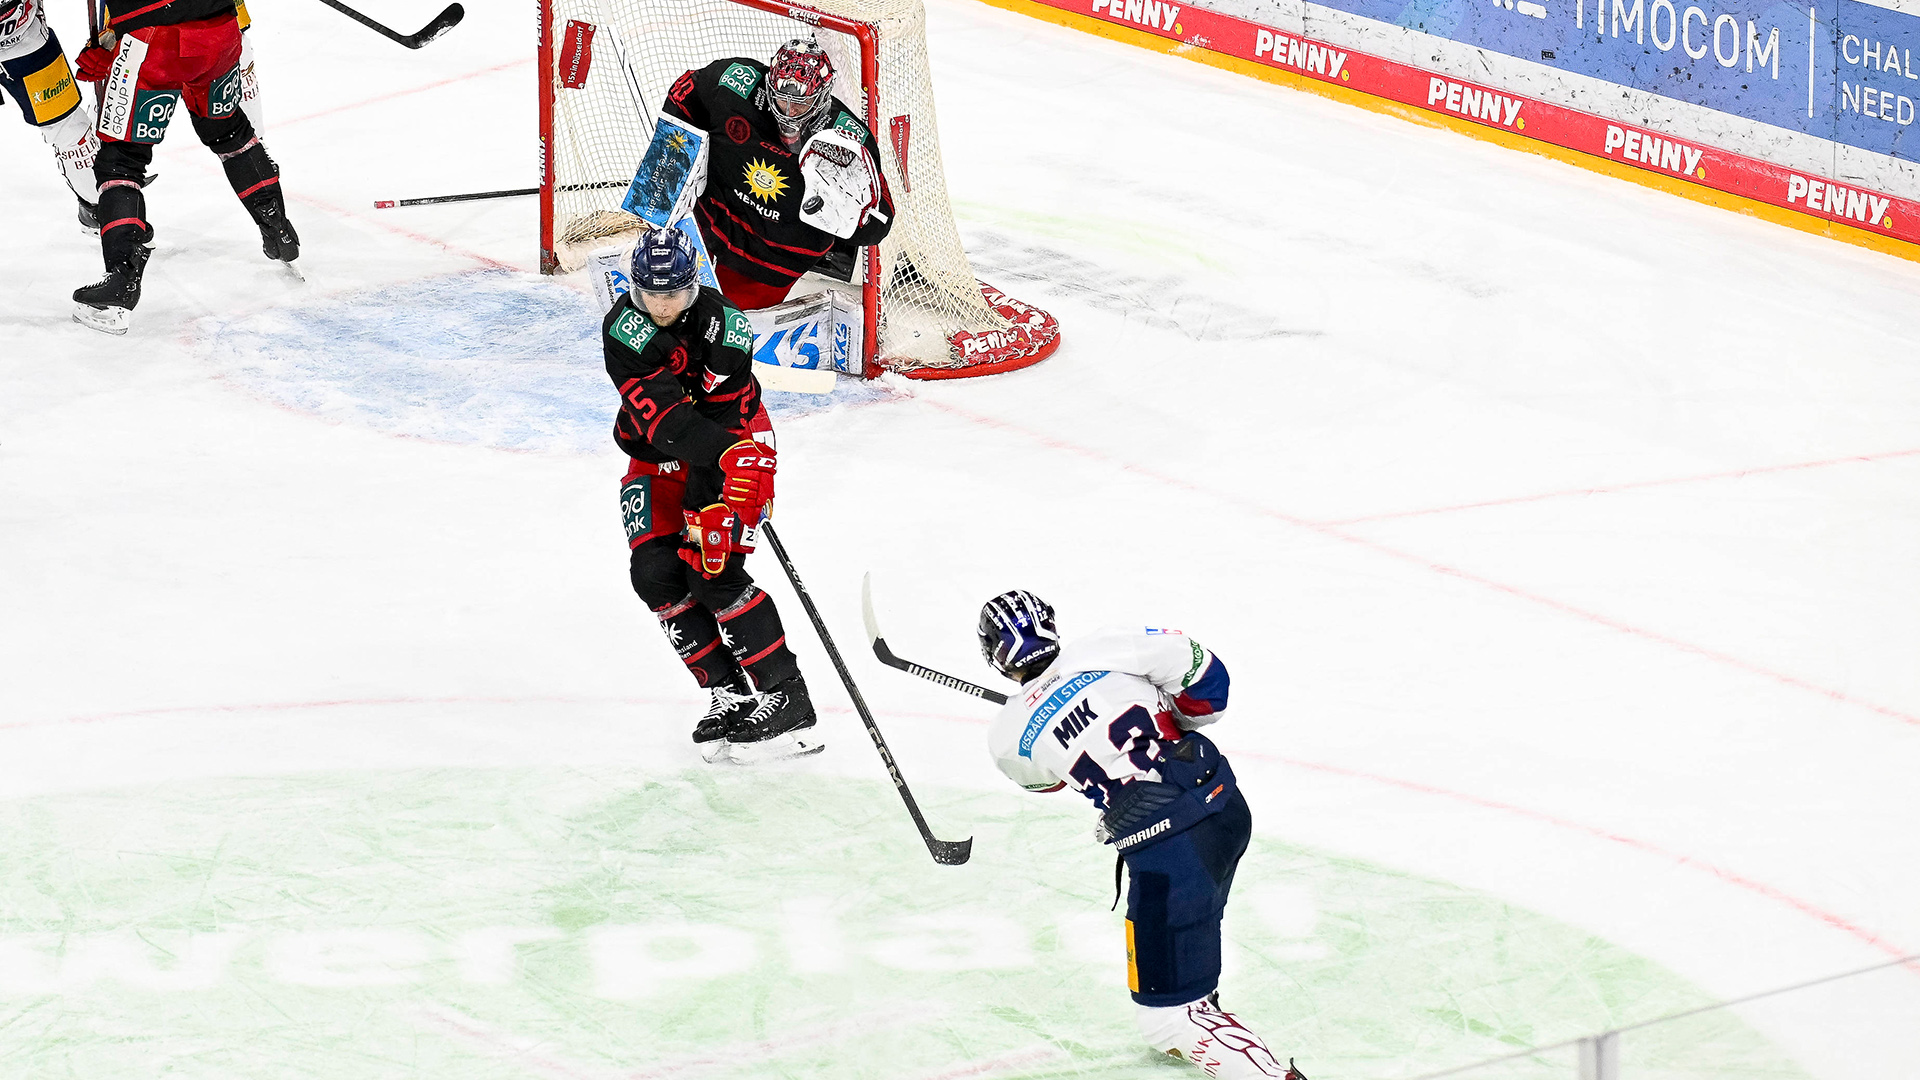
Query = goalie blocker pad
x=671 y=175
x=842 y=189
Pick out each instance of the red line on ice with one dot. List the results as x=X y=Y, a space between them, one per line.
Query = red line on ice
x=382 y=99
x=992 y=1065
x=1728 y=876
x=1329 y=530
x=340 y=211
x=1610 y=489
x=1732 y=878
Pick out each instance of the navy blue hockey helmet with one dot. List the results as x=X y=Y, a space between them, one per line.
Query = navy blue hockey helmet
x=1017 y=635
x=663 y=261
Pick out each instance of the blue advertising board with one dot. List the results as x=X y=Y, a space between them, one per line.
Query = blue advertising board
x=1837 y=69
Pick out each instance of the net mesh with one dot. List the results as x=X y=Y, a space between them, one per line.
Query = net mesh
x=601 y=130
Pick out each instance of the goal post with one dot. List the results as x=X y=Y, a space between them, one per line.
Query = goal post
x=604 y=69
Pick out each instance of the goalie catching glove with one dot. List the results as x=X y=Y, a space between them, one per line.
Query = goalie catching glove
x=842 y=186
x=714 y=532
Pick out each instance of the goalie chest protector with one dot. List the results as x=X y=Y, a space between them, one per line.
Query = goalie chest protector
x=754 y=189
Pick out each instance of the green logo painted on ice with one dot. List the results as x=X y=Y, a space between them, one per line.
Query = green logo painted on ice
x=440 y=923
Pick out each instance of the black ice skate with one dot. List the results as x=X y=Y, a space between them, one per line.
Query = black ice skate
x=277 y=238
x=730 y=708
x=780 y=727
x=107 y=304
x=90 y=217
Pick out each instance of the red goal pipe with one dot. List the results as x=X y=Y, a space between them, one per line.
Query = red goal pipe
x=543 y=70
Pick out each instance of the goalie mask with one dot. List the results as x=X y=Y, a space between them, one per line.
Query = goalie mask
x=1017 y=635
x=799 y=86
x=663 y=274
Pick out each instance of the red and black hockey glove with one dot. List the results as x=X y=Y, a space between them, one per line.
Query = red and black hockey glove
x=748 y=467
x=713 y=533
x=92 y=64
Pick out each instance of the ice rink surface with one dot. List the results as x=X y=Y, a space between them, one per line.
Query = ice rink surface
x=1559 y=535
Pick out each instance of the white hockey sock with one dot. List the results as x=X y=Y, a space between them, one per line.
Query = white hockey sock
x=1214 y=1040
x=75 y=144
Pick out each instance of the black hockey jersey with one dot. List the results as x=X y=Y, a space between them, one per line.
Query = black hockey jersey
x=126 y=16
x=687 y=391
x=750 y=210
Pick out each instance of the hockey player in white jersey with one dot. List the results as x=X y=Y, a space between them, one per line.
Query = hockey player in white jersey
x=1113 y=715
x=35 y=72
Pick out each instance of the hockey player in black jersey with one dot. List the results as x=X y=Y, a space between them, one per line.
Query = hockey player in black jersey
x=792 y=172
x=699 y=484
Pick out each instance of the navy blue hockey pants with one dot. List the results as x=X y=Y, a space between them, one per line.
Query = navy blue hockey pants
x=1176 y=893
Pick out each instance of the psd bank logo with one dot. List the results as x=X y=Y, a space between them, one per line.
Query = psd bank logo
x=152 y=109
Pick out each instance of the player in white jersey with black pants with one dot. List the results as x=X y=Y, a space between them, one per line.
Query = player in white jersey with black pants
x=34 y=70
x=1113 y=715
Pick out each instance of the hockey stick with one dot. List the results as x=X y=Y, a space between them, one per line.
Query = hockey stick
x=441 y=23
x=509 y=193
x=945 y=852
x=431 y=200
x=886 y=655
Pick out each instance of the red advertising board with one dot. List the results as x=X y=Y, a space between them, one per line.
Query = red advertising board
x=1639 y=148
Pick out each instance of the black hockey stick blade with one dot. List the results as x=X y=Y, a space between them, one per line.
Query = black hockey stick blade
x=471 y=196
x=441 y=23
x=944 y=852
x=887 y=657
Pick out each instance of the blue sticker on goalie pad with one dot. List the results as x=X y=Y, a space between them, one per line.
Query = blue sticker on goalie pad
x=668 y=167
x=702 y=262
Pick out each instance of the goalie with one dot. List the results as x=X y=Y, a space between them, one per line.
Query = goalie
x=791 y=172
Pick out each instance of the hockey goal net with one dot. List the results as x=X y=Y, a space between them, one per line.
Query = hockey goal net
x=605 y=68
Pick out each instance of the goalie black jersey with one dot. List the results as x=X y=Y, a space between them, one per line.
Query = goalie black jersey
x=687 y=391
x=749 y=213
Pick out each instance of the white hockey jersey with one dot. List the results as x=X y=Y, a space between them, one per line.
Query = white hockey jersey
x=1105 y=711
x=23 y=30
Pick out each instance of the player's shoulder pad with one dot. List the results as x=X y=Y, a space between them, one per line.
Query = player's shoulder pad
x=844 y=120
x=630 y=326
x=739 y=74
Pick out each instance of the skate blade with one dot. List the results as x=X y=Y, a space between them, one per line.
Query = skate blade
x=778 y=748
x=112 y=320
x=295 y=271
x=712 y=752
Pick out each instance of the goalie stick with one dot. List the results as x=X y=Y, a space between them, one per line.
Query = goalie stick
x=441 y=23
x=945 y=852
x=886 y=655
